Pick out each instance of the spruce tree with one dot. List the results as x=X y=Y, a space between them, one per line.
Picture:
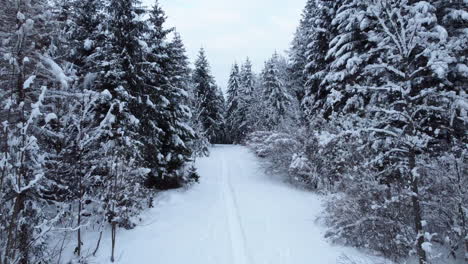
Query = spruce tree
x=27 y=74
x=246 y=100
x=297 y=53
x=85 y=35
x=408 y=112
x=452 y=15
x=233 y=117
x=347 y=56
x=120 y=72
x=247 y=79
x=277 y=100
x=209 y=101
x=181 y=77
x=165 y=133
x=318 y=40
x=221 y=106
x=180 y=70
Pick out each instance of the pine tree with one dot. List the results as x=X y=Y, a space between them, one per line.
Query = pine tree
x=180 y=70
x=208 y=99
x=319 y=36
x=452 y=15
x=234 y=87
x=27 y=73
x=277 y=100
x=181 y=73
x=246 y=100
x=233 y=118
x=297 y=53
x=347 y=56
x=166 y=135
x=247 y=79
x=410 y=105
x=120 y=72
x=221 y=106
x=78 y=130
x=84 y=33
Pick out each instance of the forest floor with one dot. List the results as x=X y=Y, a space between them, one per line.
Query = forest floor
x=238 y=214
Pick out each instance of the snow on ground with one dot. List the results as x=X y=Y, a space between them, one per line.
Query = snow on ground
x=236 y=215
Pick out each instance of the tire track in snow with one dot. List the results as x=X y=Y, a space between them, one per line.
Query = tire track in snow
x=236 y=231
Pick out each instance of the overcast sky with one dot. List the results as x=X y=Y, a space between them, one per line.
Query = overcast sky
x=231 y=30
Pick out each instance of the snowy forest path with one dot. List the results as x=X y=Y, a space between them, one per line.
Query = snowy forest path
x=238 y=214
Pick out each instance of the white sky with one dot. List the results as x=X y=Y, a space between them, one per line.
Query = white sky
x=231 y=30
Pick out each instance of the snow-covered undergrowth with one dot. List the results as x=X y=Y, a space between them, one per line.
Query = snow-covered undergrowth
x=285 y=153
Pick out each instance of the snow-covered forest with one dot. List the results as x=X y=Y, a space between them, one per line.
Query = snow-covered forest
x=101 y=112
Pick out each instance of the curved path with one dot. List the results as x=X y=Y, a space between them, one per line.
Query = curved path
x=236 y=215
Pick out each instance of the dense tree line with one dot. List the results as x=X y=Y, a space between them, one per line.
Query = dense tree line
x=98 y=107
x=371 y=107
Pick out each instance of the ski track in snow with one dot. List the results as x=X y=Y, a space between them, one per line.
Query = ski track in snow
x=238 y=214
x=236 y=230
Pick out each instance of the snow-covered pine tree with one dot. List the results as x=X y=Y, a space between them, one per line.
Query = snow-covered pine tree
x=347 y=56
x=221 y=105
x=234 y=119
x=208 y=100
x=247 y=79
x=256 y=108
x=120 y=71
x=453 y=16
x=246 y=99
x=410 y=106
x=165 y=132
x=277 y=100
x=297 y=52
x=84 y=29
x=407 y=118
x=294 y=108
x=347 y=23
x=27 y=72
x=319 y=35
x=181 y=72
x=78 y=131
x=234 y=86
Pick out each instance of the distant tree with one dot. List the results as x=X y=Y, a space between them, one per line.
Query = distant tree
x=277 y=100
x=208 y=99
x=246 y=100
x=247 y=79
x=181 y=77
x=234 y=117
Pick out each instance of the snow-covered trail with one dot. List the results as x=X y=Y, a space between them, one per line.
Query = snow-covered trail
x=236 y=215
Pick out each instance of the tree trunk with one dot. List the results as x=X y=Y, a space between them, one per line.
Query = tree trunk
x=461 y=212
x=97 y=244
x=114 y=231
x=417 y=210
x=80 y=205
x=11 y=240
x=78 y=247
x=24 y=242
x=464 y=231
